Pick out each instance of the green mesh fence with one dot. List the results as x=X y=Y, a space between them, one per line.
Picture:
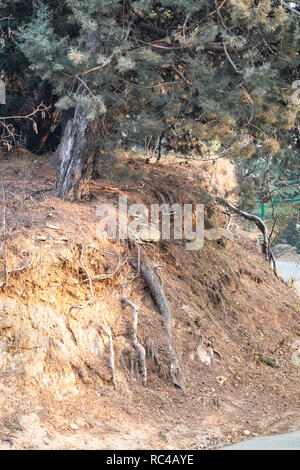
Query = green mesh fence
x=282 y=217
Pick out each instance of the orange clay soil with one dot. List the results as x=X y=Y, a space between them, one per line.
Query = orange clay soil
x=234 y=324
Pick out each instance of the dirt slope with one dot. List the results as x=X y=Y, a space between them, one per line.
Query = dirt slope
x=235 y=325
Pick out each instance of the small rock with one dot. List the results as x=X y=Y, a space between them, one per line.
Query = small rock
x=246 y=432
x=73 y=426
x=221 y=380
x=41 y=239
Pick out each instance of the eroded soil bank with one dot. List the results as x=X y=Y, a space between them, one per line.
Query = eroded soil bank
x=235 y=326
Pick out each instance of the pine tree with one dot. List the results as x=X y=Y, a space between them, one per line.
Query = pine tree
x=206 y=76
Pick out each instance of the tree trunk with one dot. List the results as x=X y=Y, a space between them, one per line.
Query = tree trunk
x=77 y=155
x=78 y=147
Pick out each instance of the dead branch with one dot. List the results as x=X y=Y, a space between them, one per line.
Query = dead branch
x=220 y=16
x=40 y=109
x=112 y=354
x=139 y=348
x=8 y=137
x=290 y=8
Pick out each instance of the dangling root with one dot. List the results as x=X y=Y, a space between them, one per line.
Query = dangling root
x=161 y=301
x=139 y=348
x=174 y=366
x=112 y=354
x=151 y=352
x=158 y=295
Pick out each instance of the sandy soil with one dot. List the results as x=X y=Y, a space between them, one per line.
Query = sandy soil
x=235 y=326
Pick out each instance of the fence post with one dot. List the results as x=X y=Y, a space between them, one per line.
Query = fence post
x=262 y=210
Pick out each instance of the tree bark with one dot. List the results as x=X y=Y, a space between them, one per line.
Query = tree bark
x=77 y=154
x=77 y=151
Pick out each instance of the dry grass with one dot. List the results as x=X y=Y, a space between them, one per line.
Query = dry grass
x=19 y=163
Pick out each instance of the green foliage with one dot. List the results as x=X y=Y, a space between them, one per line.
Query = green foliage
x=206 y=82
x=38 y=42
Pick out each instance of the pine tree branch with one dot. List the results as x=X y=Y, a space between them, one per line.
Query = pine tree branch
x=152 y=29
x=230 y=60
x=220 y=16
x=218 y=8
x=288 y=7
x=98 y=67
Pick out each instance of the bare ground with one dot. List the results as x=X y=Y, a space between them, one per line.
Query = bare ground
x=55 y=383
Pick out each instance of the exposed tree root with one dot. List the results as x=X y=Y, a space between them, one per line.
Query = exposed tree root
x=111 y=351
x=152 y=354
x=139 y=348
x=161 y=301
x=103 y=277
x=158 y=294
x=91 y=299
x=253 y=218
x=4 y=237
x=260 y=225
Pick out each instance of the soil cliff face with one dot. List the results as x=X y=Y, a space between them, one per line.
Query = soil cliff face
x=235 y=326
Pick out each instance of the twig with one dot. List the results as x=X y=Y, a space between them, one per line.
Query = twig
x=182 y=76
x=219 y=8
x=98 y=67
x=229 y=58
x=220 y=16
x=139 y=348
x=284 y=4
x=40 y=109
